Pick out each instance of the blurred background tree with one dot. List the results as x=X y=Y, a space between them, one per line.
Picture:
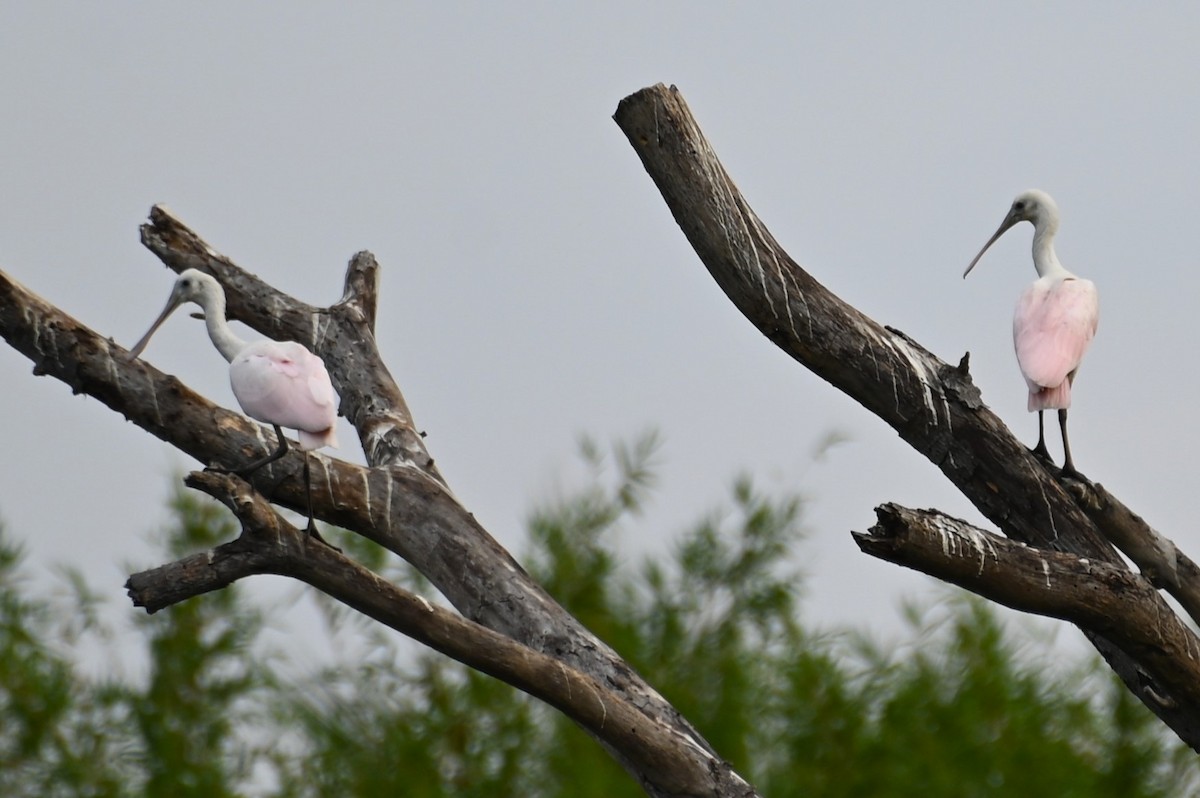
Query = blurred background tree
x=962 y=707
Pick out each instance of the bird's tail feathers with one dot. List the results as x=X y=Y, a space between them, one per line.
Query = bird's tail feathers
x=1056 y=398
x=315 y=440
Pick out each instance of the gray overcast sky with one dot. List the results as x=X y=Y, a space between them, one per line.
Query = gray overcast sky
x=535 y=286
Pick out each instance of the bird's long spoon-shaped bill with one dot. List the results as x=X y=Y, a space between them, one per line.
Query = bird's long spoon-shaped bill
x=172 y=303
x=1008 y=222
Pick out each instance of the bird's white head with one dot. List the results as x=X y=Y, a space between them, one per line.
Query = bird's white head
x=192 y=286
x=1034 y=206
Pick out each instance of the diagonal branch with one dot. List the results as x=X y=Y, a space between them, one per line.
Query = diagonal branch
x=401 y=502
x=1158 y=558
x=933 y=406
x=1098 y=597
x=270 y=545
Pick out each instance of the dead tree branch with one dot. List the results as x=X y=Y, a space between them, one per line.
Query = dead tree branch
x=270 y=545
x=933 y=406
x=1101 y=598
x=509 y=626
x=400 y=501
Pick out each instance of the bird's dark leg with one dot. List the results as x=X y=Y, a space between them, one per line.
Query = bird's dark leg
x=279 y=452
x=1068 y=464
x=246 y=471
x=1040 y=451
x=312 y=526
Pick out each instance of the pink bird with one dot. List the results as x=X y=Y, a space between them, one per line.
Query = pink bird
x=279 y=383
x=1055 y=319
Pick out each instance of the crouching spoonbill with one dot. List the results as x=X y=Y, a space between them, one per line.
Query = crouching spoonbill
x=279 y=383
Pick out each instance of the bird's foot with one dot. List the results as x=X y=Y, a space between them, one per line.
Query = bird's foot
x=312 y=532
x=1042 y=453
x=1069 y=472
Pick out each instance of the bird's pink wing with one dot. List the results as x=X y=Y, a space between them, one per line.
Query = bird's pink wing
x=323 y=405
x=285 y=384
x=1053 y=325
x=320 y=387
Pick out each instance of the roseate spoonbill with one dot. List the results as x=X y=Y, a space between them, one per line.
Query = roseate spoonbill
x=1055 y=318
x=279 y=383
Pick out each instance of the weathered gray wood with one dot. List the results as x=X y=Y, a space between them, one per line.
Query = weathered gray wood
x=933 y=406
x=1150 y=551
x=668 y=763
x=1098 y=597
x=401 y=503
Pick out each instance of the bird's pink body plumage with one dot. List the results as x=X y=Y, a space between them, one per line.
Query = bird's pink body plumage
x=278 y=382
x=1055 y=320
x=1053 y=325
x=283 y=383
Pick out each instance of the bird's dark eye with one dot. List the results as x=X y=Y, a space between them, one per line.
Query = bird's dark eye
x=1019 y=205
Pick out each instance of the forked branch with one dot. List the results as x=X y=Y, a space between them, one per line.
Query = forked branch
x=508 y=625
x=1100 y=598
x=270 y=545
x=932 y=405
x=400 y=501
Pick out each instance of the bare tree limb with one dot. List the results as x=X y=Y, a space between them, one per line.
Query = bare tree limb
x=1159 y=559
x=1098 y=597
x=1156 y=556
x=933 y=406
x=402 y=502
x=270 y=545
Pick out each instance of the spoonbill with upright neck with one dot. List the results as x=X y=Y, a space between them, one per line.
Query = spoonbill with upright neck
x=279 y=383
x=1055 y=319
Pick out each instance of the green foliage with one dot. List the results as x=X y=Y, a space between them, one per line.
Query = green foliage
x=178 y=733
x=963 y=708
x=202 y=676
x=50 y=740
x=436 y=731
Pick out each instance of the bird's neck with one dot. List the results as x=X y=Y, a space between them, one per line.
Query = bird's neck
x=222 y=335
x=1044 y=259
